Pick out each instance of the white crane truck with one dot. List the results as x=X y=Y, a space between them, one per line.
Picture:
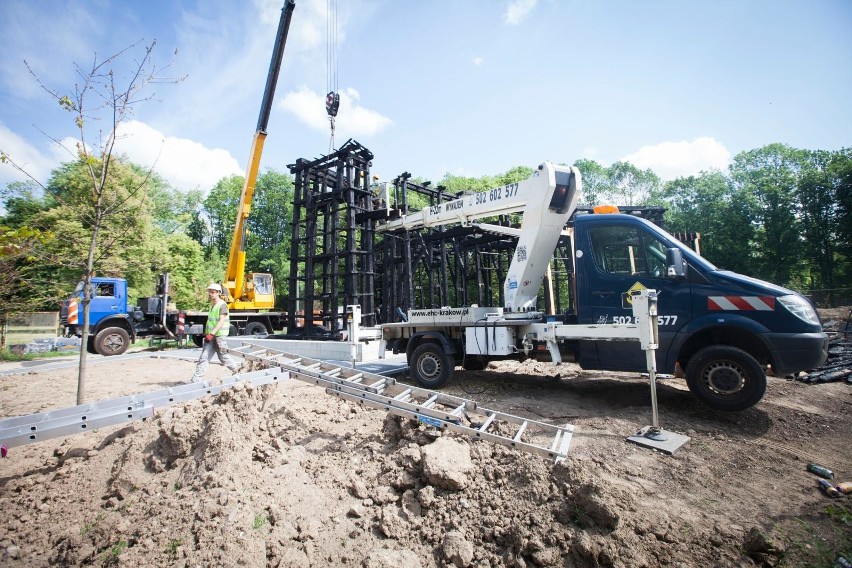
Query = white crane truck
x=724 y=329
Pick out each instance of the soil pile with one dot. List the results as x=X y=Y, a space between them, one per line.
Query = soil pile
x=286 y=475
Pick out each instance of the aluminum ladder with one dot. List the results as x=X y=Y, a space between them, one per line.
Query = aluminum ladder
x=429 y=407
x=32 y=428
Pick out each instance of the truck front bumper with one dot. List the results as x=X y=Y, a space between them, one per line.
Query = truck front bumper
x=794 y=352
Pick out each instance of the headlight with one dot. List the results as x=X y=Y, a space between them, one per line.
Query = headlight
x=800 y=308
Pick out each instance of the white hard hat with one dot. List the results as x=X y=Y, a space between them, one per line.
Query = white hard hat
x=214 y=286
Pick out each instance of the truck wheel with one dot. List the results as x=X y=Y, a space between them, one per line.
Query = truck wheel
x=233 y=330
x=198 y=340
x=255 y=328
x=432 y=368
x=112 y=341
x=725 y=378
x=90 y=346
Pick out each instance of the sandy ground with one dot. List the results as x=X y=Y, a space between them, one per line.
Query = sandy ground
x=287 y=475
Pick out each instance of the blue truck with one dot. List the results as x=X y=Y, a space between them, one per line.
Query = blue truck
x=115 y=323
x=723 y=330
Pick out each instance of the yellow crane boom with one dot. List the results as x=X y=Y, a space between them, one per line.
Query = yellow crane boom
x=255 y=291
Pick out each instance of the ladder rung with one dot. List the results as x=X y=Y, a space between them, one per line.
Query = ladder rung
x=430 y=402
x=520 y=433
x=356 y=378
x=488 y=422
x=458 y=410
x=403 y=396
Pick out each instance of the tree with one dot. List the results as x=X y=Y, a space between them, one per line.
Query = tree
x=107 y=94
x=220 y=208
x=597 y=187
x=766 y=179
x=706 y=204
x=268 y=248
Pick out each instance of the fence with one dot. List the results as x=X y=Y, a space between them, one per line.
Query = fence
x=26 y=327
x=830 y=297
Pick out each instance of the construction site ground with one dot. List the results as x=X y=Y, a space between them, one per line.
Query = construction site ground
x=287 y=475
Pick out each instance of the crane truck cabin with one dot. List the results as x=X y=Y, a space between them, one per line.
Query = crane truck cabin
x=723 y=329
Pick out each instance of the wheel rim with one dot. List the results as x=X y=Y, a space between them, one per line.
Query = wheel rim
x=113 y=342
x=724 y=377
x=429 y=366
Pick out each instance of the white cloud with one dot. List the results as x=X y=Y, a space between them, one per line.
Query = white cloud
x=478 y=60
x=184 y=163
x=518 y=10
x=675 y=159
x=35 y=162
x=353 y=120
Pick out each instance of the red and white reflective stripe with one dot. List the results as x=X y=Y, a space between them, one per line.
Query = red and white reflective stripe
x=72 y=313
x=181 y=322
x=741 y=303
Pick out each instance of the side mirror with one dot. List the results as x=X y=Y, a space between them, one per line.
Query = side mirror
x=675 y=267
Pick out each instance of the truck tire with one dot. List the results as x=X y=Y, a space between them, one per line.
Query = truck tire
x=233 y=330
x=725 y=378
x=112 y=341
x=90 y=345
x=255 y=328
x=198 y=340
x=431 y=367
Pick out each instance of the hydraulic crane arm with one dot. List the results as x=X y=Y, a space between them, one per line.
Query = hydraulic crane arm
x=235 y=271
x=547 y=200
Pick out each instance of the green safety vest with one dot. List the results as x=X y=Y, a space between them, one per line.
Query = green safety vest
x=213 y=319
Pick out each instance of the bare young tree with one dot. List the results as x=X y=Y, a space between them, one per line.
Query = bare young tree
x=105 y=96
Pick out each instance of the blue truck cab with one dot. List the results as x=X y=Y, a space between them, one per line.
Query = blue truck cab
x=722 y=329
x=111 y=329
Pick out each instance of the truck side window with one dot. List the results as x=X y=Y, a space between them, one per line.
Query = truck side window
x=105 y=289
x=628 y=251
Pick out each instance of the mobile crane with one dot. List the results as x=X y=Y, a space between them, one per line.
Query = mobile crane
x=725 y=330
x=255 y=290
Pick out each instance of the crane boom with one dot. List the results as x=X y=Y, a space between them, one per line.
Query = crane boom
x=547 y=200
x=255 y=291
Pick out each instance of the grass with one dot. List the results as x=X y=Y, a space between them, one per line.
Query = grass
x=259 y=521
x=172 y=547
x=110 y=557
x=842 y=515
x=88 y=526
x=6 y=355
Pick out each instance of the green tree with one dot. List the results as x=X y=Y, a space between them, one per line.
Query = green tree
x=268 y=248
x=220 y=209
x=767 y=179
x=597 y=187
x=706 y=204
x=825 y=224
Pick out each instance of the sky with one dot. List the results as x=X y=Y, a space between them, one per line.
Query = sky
x=471 y=88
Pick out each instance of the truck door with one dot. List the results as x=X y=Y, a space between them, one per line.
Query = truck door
x=616 y=259
x=107 y=300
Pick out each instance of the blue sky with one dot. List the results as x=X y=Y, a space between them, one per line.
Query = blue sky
x=470 y=87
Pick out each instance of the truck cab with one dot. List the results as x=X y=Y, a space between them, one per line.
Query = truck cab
x=721 y=328
x=111 y=330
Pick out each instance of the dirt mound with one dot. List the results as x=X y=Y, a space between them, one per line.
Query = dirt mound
x=287 y=476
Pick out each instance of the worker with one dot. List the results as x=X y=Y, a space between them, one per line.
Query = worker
x=218 y=325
